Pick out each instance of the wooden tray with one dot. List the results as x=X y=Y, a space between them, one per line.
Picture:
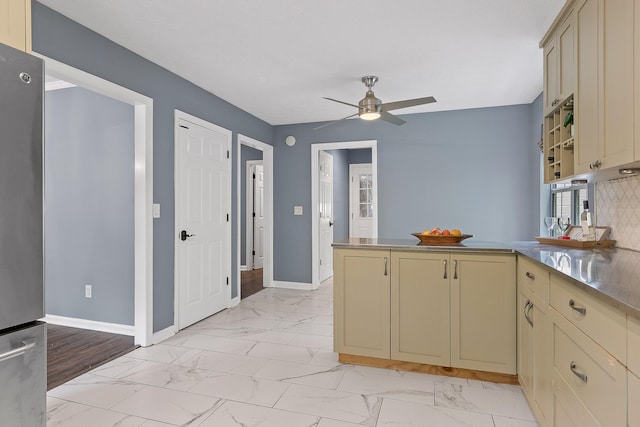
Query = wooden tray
x=440 y=240
x=575 y=232
x=576 y=243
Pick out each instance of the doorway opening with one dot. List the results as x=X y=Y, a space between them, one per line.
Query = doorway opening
x=317 y=273
x=254 y=232
x=142 y=328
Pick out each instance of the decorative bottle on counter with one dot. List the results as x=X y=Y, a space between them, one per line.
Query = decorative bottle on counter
x=588 y=229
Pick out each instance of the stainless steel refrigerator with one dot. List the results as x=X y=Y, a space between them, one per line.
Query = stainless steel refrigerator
x=23 y=379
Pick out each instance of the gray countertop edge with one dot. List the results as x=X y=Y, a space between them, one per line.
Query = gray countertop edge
x=615 y=270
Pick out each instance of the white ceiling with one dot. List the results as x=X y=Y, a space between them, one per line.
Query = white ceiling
x=276 y=59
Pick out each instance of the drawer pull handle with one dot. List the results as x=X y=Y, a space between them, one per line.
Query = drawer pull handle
x=455 y=269
x=572 y=366
x=385 y=266
x=530 y=275
x=444 y=262
x=25 y=346
x=580 y=310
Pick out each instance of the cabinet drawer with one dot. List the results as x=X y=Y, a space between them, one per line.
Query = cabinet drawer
x=596 y=377
x=568 y=410
x=603 y=323
x=633 y=345
x=534 y=276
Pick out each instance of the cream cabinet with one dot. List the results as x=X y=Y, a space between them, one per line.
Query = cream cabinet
x=559 y=66
x=483 y=312
x=633 y=399
x=420 y=315
x=451 y=309
x=361 y=302
x=534 y=338
x=15 y=24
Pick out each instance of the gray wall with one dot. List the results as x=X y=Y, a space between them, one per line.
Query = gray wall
x=89 y=192
x=66 y=41
x=246 y=153
x=467 y=169
x=361 y=155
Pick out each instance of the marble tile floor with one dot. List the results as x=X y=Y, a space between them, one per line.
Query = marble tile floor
x=269 y=362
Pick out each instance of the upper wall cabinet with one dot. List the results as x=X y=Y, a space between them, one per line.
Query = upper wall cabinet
x=15 y=24
x=605 y=84
x=559 y=66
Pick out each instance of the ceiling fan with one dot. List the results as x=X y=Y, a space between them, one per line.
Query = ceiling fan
x=371 y=108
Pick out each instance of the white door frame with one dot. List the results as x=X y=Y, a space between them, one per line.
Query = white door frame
x=267 y=162
x=249 y=227
x=181 y=115
x=143 y=188
x=315 y=149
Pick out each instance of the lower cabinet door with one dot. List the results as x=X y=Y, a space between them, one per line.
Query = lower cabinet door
x=633 y=399
x=420 y=307
x=525 y=345
x=361 y=302
x=483 y=312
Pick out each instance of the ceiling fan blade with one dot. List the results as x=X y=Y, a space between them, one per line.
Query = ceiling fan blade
x=341 y=102
x=387 y=117
x=334 y=122
x=407 y=103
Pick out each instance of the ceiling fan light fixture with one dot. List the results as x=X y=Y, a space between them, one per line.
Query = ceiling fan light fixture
x=371 y=115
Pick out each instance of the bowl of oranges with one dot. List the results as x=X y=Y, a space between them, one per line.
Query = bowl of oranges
x=436 y=236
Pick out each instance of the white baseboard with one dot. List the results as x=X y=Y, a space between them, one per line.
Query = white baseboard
x=114 y=328
x=292 y=285
x=244 y=268
x=162 y=335
x=234 y=301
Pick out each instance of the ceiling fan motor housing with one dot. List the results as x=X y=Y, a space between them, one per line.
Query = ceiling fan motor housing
x=369 y=104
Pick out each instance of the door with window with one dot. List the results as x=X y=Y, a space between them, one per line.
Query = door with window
x=203 y=231
x=258 y=216
x=361 y=200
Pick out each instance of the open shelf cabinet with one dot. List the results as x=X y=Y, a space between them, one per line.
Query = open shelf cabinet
x=558 y=143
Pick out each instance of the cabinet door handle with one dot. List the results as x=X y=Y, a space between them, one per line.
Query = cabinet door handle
x=444 y=262
x=26 y=345
x=580 y=310
x=572 y=366
x=527 y=308
x=530 y=275
x=386 y=260
x=595 y=165
x=455 y=269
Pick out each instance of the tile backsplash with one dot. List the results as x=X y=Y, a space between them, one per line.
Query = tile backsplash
x=618 y=206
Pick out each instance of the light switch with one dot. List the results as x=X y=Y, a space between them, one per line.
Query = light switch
x=156 y=210
x=297 y=210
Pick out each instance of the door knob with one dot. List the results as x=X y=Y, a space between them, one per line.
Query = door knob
x=184 y=235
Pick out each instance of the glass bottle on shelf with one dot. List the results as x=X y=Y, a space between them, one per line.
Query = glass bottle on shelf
x=586 y=221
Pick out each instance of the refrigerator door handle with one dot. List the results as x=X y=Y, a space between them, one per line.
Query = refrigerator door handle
x=26 y=345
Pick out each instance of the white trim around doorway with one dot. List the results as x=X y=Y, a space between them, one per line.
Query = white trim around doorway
x=143 y=187
x=315 y=150
x=267 y=160
x=249 y=201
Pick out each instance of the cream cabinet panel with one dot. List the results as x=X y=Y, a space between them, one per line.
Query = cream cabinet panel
x=542 y=359
x=15 y=24
x=483 y=312
x=633 y=345
x=559 y=66
x=525 y=344
x=362 y=302
x=636 y=82
x=587 y=93
x=617 y=82
x=603 y=323
x=568 y=410
x=595 y=376
x=550 y=95
x=633 y=399
x=420 y=307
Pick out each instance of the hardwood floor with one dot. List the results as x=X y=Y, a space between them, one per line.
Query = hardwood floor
x=71 y=351
x=251 y=282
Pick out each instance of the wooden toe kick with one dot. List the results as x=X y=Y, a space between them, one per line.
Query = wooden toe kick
x=428 y=369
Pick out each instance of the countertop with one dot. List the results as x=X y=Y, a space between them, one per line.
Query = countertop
x=610 y=274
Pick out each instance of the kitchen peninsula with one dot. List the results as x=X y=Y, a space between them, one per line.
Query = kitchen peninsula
x=562 y=322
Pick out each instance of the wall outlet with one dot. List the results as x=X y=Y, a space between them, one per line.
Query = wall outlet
x=88 y=291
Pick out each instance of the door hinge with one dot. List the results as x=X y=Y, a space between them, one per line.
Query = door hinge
x=320 y=262
x=227 y=217
x=227 y=154
x=254 y=253
x=227 y=281
x=254 y=214
x=254 y=176
x=182 y=126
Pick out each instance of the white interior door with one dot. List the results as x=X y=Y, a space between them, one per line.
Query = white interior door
x=202 y=221
x=361 y=200
x=325 y=217
x=258 y=216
